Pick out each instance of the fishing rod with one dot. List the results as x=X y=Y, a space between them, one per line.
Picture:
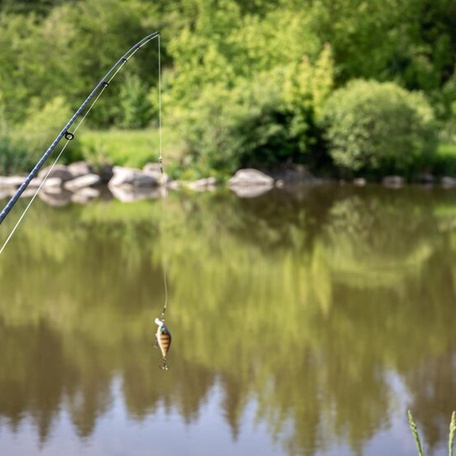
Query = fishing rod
x=65 y=133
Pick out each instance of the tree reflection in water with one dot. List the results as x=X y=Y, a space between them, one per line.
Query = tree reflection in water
x=303 y=303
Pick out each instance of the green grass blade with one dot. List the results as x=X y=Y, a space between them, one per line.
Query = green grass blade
x=452 y=432
x=415 y=433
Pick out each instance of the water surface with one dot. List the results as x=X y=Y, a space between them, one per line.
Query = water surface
x=303 y=323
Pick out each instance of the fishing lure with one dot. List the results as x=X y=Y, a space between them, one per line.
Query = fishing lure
x=88 y=103
x=163 y=337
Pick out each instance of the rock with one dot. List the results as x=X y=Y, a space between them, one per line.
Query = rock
x=80 y=168
x=174 y=185
x=60 y=171
x=393 y=181
x=250 y=191
x=16 y=181
x=153 y=169
x=52 y=182
x=27 y=193
x=207 y=183
x=85 y=195
x=49 y=182
x=131 y=177
x=250 y=178
x=11 y=181
x=57 y=199
x=359 y=182
x=52 y=189
x=448 y=182
x=88 y=180
x=130 y=194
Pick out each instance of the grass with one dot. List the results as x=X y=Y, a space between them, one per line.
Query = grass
x=135 y=148
x=132 y=148
x=417 y=437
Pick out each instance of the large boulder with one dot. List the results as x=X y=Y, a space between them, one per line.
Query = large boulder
x=131 y=177
x=251 y=178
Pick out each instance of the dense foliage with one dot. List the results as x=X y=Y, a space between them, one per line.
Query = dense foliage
x=379 y=126
x=245 y=84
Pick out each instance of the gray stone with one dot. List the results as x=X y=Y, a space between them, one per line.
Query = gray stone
x=393 y=181
x=11 y=181
x=130 y=194
x=359 y=182
x=52 y=182
x=60 y=171
x=57 y=199
x=250 y=178
x=85 y=195
x=154 y=169
x=207 y=183
x=448 y=182
x=87 y=180
x=80 y=168
x=131 y=177
x=250 y=191
x=49 y=182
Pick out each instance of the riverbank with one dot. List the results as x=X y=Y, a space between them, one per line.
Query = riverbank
x=136 y=173
x=136 y=148
x=81 y=183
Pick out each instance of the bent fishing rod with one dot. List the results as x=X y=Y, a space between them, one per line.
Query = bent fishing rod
x=65 y=133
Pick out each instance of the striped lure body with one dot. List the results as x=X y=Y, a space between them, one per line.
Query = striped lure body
x=163 y=337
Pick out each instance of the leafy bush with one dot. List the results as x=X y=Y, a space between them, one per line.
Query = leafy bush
x=265 y=120
x=379 y=127
x=250 y=125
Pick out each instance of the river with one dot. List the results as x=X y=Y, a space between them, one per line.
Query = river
x=303 y=323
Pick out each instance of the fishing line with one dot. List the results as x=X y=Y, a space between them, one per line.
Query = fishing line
x=65 y=133
x=162 y=174
x=163 y=335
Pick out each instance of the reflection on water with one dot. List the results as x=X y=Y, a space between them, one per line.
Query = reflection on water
x=303 y=324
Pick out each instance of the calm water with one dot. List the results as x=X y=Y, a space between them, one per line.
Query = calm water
x=303 y=324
